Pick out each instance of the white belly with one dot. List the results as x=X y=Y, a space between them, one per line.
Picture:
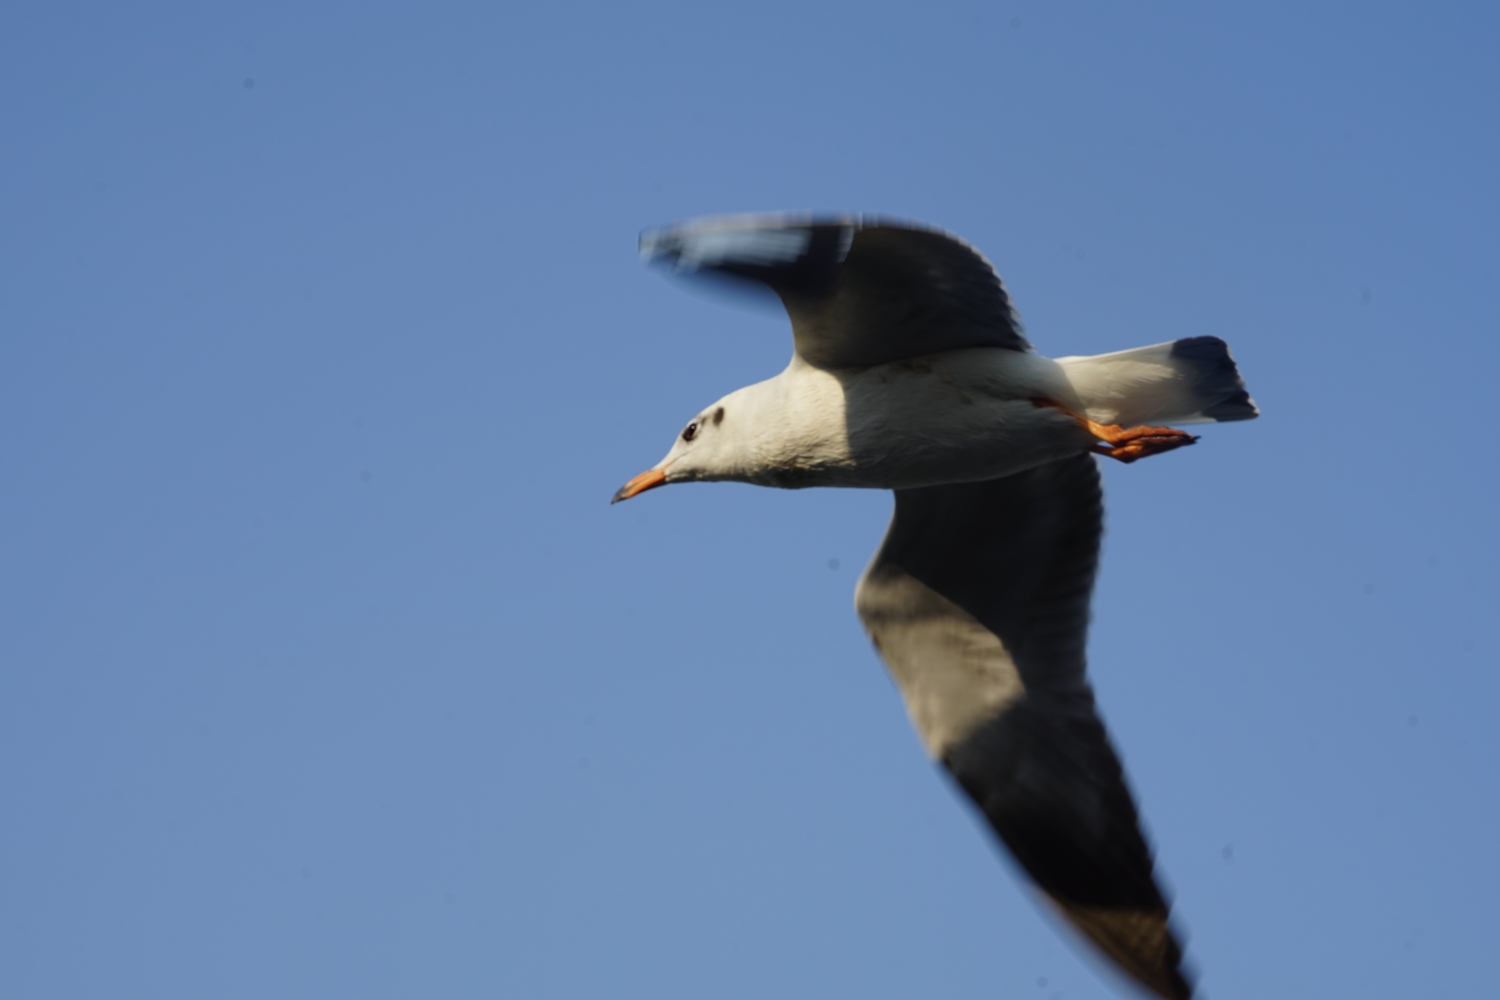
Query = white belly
x=961 y=416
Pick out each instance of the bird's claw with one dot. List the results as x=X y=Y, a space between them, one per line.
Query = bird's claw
x=1126 y=444
x=1140 y=442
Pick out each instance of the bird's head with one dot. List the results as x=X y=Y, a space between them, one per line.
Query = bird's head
x=712 y=446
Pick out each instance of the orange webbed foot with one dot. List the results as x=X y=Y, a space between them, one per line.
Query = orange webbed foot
x=1127 y=444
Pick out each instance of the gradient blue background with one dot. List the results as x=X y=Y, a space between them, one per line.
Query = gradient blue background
x=326 y=670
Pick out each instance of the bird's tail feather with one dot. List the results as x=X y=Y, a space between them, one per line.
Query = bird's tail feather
x=1180 y=382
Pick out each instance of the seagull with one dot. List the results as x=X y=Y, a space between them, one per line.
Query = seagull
x=910 y=372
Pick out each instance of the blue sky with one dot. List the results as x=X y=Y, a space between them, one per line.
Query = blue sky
x=326 y=669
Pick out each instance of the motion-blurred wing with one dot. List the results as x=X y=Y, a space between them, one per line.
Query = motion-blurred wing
x=978 y=601
x=858 y=292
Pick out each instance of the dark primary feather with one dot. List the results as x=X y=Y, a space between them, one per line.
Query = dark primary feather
x=859 y=292
x=1017 y=556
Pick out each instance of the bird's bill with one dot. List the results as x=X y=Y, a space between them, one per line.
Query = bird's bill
x=650 y=479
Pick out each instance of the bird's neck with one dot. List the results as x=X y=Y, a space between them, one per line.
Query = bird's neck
x=795 y=429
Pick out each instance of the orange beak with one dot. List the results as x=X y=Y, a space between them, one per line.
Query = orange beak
x=649 y=479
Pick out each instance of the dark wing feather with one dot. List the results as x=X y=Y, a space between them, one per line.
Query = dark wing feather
x=978 y=601
x=859 y=292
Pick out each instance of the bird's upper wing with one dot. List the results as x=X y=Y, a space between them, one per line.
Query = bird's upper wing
x=978 y=602
x=859 y=292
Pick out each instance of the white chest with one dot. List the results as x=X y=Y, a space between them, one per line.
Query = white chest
x=962 y=416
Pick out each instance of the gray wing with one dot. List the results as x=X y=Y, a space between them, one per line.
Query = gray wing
x=859 y=292
x=978 y=601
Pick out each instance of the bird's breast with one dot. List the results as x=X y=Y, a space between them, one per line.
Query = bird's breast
x=962 y=416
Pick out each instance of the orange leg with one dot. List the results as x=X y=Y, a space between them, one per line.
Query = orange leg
x=1126 y=444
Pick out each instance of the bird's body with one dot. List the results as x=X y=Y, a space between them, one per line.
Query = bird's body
x=910 y=373
x=901 y=424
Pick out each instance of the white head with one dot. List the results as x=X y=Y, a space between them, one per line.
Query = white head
x=740 y=438
x=717 y=444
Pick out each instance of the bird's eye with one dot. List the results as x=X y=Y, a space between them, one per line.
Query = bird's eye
x=691 y=431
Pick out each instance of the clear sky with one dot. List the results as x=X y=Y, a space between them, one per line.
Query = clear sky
x=327 y=670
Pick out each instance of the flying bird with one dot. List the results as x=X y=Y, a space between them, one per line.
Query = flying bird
x=910 y=372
